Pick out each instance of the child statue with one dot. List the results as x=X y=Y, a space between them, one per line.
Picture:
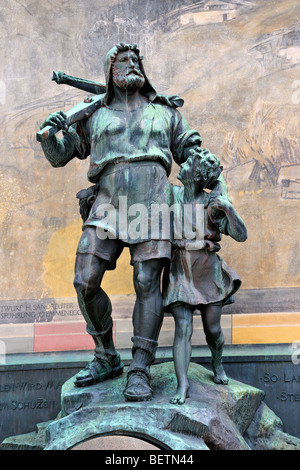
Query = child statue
x=198 y=278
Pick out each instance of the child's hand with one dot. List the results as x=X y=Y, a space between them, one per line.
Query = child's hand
x=221 y=203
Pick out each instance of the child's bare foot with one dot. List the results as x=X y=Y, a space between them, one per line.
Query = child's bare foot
x=219 y=375
x=182 y=393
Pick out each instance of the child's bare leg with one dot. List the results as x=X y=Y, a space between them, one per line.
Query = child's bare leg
x=182 y=349
x=211 y=318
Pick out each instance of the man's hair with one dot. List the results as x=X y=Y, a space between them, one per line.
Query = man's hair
x=126 y=47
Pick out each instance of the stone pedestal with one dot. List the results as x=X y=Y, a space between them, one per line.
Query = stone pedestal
x=232 y=417
x=214 y=417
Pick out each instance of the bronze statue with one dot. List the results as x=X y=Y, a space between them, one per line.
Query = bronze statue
x=131 y=134
x=197 y=277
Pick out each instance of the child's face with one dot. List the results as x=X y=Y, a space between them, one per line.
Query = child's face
x=200 y=171
x=187 y=170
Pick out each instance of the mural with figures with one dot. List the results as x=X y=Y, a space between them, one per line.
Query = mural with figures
x=236 y=64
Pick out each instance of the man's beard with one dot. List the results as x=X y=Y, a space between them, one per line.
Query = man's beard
x=132 y=81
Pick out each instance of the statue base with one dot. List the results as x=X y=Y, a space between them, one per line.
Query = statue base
x=214 y=417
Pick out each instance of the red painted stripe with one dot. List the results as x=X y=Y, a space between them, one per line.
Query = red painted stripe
x=59 y=328
x=69 y=336
x=63 y=343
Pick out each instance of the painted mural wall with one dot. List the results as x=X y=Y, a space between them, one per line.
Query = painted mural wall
x=236 y=64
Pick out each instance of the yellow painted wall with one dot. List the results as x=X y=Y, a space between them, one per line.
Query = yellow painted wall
x=266 y=328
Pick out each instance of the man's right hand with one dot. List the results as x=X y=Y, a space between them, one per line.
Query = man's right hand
x=57 y=119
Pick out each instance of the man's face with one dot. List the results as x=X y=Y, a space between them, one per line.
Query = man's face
x=126 y=71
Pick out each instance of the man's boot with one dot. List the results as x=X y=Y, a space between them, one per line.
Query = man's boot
x=107 y=362
x=138 y=386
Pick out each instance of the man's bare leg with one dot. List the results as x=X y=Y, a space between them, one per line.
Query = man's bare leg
x=96 y=308
x=147 y=321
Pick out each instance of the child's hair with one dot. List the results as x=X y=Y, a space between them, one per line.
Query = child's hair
x=209 y=166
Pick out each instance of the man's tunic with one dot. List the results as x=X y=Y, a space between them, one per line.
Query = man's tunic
x=130 y=156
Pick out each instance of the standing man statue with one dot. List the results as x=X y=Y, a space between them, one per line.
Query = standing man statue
x=131 y=140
